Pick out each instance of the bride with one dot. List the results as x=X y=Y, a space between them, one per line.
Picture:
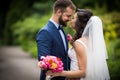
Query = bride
x=88 y=54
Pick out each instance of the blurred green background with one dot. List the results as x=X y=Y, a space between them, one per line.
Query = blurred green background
x=20 y=20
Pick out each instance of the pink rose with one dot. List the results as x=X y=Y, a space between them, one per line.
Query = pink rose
x=42 y=65
x=69 y=37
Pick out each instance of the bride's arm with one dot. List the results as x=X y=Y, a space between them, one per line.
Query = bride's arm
x=82 y=60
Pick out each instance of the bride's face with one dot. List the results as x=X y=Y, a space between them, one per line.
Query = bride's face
x=73 y=21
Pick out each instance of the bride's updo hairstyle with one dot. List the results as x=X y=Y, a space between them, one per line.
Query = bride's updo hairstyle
x=83 y=15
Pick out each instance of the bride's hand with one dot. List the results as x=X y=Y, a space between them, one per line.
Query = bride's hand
x=53 y=74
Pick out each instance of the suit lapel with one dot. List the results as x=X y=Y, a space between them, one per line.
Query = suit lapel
x=56 y=33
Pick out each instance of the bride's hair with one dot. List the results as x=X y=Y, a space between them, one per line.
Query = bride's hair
x=83 y=15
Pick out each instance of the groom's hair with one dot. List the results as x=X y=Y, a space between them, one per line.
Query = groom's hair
x=63 y=4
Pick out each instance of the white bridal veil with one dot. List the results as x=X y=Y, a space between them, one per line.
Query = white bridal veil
x=97 y=68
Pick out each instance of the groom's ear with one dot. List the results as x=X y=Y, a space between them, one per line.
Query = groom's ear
x=59 y=12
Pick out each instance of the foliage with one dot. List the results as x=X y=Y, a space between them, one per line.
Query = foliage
x=110 y=4
x=114 y=69
x=111 y=22
x=25 y=30
x=16 y=9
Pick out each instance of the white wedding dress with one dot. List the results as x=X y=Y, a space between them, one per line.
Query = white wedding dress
x=72 y=56
x=96 y=52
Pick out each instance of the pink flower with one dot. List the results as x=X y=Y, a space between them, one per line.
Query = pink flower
x=69 y=37
x=51 y=63
x=42 y=65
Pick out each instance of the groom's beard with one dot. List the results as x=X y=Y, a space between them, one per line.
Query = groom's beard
x=61 y=22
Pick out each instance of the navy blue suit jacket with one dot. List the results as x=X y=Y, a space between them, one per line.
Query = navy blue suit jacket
x=49 y=42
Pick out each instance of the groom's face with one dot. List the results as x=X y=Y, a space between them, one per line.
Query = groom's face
x=65 y=16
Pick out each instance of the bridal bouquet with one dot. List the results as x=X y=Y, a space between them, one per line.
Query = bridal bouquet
x=51 y=63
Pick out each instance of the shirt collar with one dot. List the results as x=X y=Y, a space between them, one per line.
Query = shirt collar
x=54 y=23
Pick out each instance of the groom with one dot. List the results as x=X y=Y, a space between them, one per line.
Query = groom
x=51 y=39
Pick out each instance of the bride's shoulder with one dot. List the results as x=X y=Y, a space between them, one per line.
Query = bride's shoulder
x=78 y=42
x=81 y=41
x=84 y=40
